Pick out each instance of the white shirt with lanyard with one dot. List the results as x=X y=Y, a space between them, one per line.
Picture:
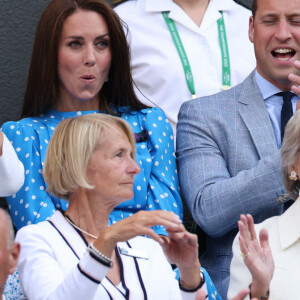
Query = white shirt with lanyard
x=156 y=66
x=185 y=61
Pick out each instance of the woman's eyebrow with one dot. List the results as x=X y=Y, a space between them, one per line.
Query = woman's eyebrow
x=77 y=37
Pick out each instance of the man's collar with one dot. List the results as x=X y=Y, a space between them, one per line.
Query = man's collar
x=266 y=88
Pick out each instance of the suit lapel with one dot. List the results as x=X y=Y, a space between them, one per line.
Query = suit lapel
x=253 y=111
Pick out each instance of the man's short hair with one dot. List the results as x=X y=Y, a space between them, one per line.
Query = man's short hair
x=254 y=7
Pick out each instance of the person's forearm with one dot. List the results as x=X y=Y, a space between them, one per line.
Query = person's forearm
x=223 y=171
x=212 y=198
x=11 y=169
x=259 y=290
x=190 y=278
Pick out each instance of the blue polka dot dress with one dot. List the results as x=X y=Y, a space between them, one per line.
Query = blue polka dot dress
x=156 y=186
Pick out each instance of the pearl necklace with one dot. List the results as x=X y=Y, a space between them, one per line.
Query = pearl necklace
x=83 y=231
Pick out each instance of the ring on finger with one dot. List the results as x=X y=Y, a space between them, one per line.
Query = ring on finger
x=244 y=255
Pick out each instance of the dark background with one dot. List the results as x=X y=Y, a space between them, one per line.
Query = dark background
x=18 y=20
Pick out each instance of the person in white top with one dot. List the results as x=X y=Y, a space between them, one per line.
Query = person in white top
x=9 y=250
x=76 y=255
x=11 y=169
x=283 y=230
x=156 y=65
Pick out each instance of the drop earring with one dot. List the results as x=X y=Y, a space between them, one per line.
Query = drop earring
x=293 y=176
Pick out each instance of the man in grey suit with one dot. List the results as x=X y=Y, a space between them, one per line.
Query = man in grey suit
x=228 y=144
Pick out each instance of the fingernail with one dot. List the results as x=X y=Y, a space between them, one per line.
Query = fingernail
x=177 y=220
x=297 y=63
x=174 y=225
x=292 y=76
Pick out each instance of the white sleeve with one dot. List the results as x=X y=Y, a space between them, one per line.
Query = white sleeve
x=11 y=170
x=45 y=275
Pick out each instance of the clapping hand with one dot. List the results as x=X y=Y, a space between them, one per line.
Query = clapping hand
x=181 y=248
x=295 y=79
x=257 y=255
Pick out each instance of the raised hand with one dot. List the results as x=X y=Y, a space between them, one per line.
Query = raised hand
x=257 y=255
x=295 y=79
x=135 y=225
x=181 y=249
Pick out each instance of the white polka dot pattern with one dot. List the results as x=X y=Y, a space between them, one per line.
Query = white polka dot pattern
x=157 y=179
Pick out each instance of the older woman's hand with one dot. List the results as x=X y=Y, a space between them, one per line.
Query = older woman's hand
x=257 y=255
x=135 y=225
x=181 y=248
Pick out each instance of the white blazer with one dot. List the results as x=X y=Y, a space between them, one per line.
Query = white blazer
x=54 y=264
x=284 y=237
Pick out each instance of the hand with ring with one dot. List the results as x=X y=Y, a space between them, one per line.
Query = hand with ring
x=257 y=255
x=244 y=255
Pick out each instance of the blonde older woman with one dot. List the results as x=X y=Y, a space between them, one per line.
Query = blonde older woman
x=284 y=233
x=75 y=254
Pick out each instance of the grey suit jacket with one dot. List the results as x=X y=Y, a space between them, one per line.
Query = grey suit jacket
x=229 y=164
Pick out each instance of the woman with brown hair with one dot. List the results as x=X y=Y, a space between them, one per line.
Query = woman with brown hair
x=80 y=65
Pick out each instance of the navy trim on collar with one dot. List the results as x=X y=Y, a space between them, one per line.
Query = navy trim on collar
x=64 y=238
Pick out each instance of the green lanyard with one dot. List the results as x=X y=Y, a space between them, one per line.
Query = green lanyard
x=184 y=59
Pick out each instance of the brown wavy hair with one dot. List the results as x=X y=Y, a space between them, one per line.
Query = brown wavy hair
x=43 y=82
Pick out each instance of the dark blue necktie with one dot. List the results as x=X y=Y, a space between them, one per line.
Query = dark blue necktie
x=286 y=110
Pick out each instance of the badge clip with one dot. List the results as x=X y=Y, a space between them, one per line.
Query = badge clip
x=226 y=87
x=133 y=252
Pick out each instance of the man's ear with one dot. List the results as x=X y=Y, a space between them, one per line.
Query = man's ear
x=13 y=256
x=251 y=29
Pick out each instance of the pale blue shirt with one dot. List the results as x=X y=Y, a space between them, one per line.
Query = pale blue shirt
x=273 y=104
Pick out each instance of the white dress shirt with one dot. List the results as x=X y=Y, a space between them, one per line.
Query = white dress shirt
x=11 y=170
x=284 y=237
x=156 y=67
x=273 y=104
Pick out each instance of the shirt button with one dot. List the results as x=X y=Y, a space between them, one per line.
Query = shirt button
x=283 y=198
x=286 y=197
